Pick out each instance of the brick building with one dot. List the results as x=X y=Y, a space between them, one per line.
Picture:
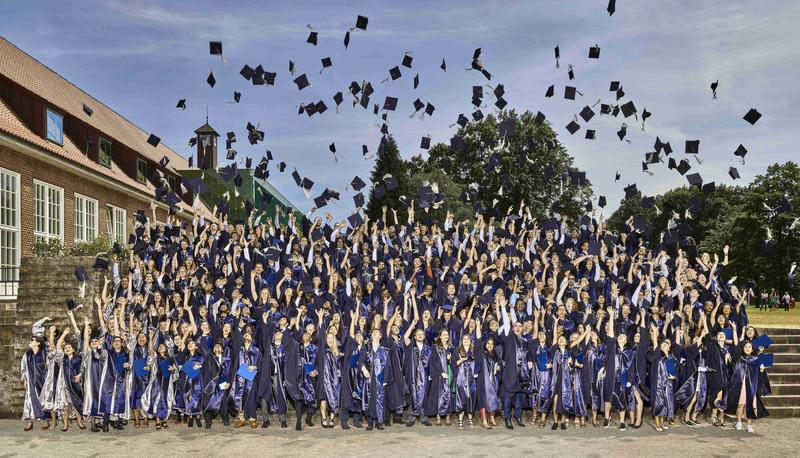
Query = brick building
x=70 y=167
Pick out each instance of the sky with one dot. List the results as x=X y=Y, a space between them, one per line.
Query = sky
x=141 y=57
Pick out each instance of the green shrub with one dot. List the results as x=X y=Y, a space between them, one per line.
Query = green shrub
x=56 y=247
x=48 y=248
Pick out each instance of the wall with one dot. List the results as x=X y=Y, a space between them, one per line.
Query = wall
x=30 y=169
x=45 y=283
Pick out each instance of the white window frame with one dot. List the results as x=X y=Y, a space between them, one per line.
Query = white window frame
x=116 y=223
x=47 y=111
x=9 y=283
x=47 y=208
x=100 y=141
x=85 y=230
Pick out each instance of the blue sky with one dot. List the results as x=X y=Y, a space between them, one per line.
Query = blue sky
x=140 y=57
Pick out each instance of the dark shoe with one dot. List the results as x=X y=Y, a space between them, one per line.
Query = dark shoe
x=520 y=423
x=283 y=424
x=105 y=427
x=208 y=424
x=199 y=423
x=563 y=426
x=191 y=422
x=358 y=424
x=426 y=422
x=117 y=425
x=411 y=422
x=299 y=425
x=265 y=423
x=508 y=424
x=369 y=426
x=344 y=426
x=605 y=423
x=379 y=426
x=309 y=421
x=554 y=427
x=622 y=426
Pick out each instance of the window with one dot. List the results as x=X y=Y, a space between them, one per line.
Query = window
x=141 y=170
x=9 y=232
x=115 y=223
x=172 y=184
x=85 y=219
x=104 y=156
x=55 y=126
x=48 y=212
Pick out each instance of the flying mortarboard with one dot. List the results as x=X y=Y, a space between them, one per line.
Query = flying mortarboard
x=215 y=48
x=630 y=191
x=394 y=73
x=573 y=127
x=594 y=52
x=710 y=187
x=89 y=111
x=153 y=140
x=683 y=167
x=425 y=143
x=390 y=103
x=569 y=92
x=361 y=22
x=346 y=39
x=601 y=201
x=741 y=151
x=590 y=134
x=550 y=91
x=312 y=38
x=628 y=108
x=694 y=179
x=734 y=173
x=80 y=273
x=443 y=66
x=612 y=6
x=752 y=116
x=211 y=80
x=301 y=82
x=407 y=59
x=692 y=147
x=587 y=113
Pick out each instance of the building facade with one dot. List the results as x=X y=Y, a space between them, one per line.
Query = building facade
x=71 y=168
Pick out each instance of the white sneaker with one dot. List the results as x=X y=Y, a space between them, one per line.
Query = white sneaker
x=749 y=429
x=738 y=426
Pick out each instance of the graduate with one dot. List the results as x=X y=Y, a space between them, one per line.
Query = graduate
x=158 y=398
x=33 y=371
x=438 y=396
x=416 y=372
x=465 y=369
x=243 y=391
x=746 y=387
x=329 y=379
x=487 y=399
x=69 y=387
x=373 y=364
x=114 y=381
x=216 y=378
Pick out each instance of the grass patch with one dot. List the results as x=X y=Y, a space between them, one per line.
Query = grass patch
x=776 y=318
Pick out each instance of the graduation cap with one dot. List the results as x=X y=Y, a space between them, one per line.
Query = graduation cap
x=573 y=127
x=87 y=110
x=425 y=143
x=741 y=151
x=714 y=87
x=614 y=86
x=477 y=115
x=587 y=113
x=312 y=38
x=590 y=134
x=631 y=191
x=355 y=220
x=391 y=183
x=569 y=92
x=507 y=127
x=539 y=119
x=80 y=274
x=390 y=103
x=358 y=200
x=694 y=179
x=734 y=173
x=361 y=22
x=594 y=52
x=429 y=109
x=648 y=201
x=346 y=39
x=601 y=201
x=683 y=167
x=407 y=59
x=153 y=140
x=708 y=188
x=211 y=80
x=418 y=105
x=394 y=73
x=628 y=109
x=380 y=191
x=247 y=72
x=692 y=147
x=237 y=96
x=443 y=66
x=71 y=305
x=557 y=54
x=612 y=6
x=462 y=120
x=215 y=48
x=301 y=82
x=550 y=91
x=752 y=116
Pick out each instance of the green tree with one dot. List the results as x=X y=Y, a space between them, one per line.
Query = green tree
x=451 y=190
x=388 y=162
x=531 y=165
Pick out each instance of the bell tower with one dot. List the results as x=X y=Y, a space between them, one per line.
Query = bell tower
x=206 y=146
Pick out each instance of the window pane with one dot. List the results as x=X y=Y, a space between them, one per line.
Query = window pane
x=55 y=127
x=104 y=156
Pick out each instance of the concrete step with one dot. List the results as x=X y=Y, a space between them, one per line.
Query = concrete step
x=785 y=388
x=784 y=339
x=784 y=368
x=779 y=331
x=783 y=378
x=784 y=348
x=782 y=400
x=784 y=412
x=787 y=358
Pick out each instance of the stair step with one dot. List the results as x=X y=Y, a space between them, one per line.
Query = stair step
x=784 y=412
x=785 y=400
x=784 y=368
x=784 y=348
x=784 y=378
x=784 y=339
x=785 y=388
x=787 y=358
x=779 y=331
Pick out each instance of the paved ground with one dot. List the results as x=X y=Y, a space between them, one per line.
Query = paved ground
x=773 y=437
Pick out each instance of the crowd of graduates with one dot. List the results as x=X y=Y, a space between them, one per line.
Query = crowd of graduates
x=546 y=323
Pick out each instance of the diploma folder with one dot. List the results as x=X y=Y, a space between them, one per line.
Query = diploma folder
x=189 y=370
x=541 y=362
x=138 y=367
x=246 y=374
x=767 y=359
x=762 y=341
